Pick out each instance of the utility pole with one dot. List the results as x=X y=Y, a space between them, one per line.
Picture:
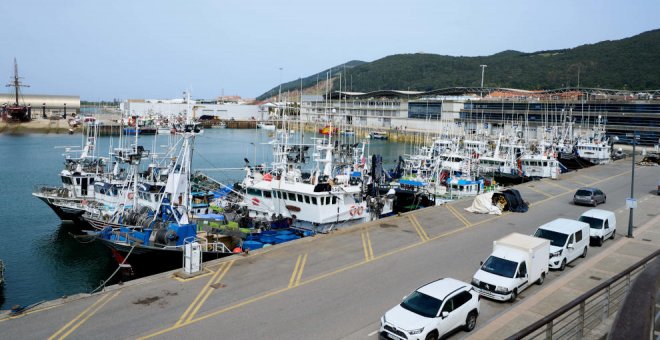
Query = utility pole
x=483 y=69
x=631 y=201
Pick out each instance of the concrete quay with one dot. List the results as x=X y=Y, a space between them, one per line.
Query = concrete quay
x=337 y=286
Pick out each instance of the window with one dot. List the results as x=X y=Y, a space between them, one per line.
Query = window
x=578 y=236
x=306 y=199
x=607 y=225
x=292 y=196
x=268 y=194
x=334 y=199
x=461 y=299
x=522 y=271
x=449 y=306
x=570 y=240
x=300 y=198
x=314 y=200
x=327 y=200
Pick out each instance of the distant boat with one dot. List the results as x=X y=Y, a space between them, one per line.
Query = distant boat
x=222 y=125
x=266 y=125
x=378 y=135
x=348 y=132
x=327 y=130
x=16 y=112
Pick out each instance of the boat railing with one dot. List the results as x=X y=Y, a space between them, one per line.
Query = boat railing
x=51 y=191
x=208 y=246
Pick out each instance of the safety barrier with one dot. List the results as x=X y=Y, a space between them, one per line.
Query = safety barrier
x=577 y=318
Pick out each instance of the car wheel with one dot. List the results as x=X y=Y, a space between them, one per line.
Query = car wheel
x=584 y=253
x=600 y=242
x=541 y=279
x=563 y=265
x=514 y=295
x=432 y=336
x=613 y=233
x=471 y=321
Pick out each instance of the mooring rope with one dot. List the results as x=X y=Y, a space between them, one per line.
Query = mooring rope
x=115 y=272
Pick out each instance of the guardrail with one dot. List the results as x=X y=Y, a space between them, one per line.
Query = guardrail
x=575 y=319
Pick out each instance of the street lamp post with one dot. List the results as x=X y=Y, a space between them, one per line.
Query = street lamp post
x=634 y=137
x=483 y=69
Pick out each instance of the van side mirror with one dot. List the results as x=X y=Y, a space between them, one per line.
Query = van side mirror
x=444 y=314
x=481 y=263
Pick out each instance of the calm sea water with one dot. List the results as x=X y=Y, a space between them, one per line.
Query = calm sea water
x=43 y=261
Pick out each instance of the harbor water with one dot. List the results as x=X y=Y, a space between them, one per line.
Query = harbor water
x=43 y=260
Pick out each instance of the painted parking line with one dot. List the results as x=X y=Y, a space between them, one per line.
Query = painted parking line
x=82 y=317
x=458 y=215
x=298 y=270
x=366 y=245
x=538 y=191
x=205 y=293
x=589 y=177
x=551 y=182
x=418 y=228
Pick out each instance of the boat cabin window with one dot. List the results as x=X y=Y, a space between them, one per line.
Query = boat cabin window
x=254 y=192
x=334 y=199
x=314 y=200
x=292 y=196
x=300 y=198
x=306 y=199
x=267 y=194
x=327 y=200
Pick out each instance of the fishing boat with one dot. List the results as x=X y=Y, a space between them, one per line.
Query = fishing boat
x=266 y=125
x=163 y=239
x=378 y=135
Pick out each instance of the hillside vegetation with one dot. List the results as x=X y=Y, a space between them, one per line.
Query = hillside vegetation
x=632 y=63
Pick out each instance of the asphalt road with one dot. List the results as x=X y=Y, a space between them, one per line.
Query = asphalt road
x=335 y=286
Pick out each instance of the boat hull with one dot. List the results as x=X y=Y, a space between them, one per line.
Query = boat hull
x=66 y=214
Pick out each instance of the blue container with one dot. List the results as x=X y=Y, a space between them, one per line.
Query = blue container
x=286 y=238
x=267 y=239
x=285 y=232
x=252 y=245
x=268 y=233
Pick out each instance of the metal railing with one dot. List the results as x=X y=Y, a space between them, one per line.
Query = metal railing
x=577 y=318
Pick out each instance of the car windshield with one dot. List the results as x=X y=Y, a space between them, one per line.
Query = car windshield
x=422 y=304
x=583 y=193
x=594 y=223
x=556 y=239
x=499 y=266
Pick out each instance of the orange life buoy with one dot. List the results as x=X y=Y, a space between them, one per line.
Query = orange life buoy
x=360 y=210
x=352 y=211
x=130 y=195
x=255 y=201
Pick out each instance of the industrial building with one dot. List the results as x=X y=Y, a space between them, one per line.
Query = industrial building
x=622 y=112
x=43 y=104
x=179 y=107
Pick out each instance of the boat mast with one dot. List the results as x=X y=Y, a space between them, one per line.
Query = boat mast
x=16 y=83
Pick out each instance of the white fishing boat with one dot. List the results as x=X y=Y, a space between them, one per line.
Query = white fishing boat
x=266 y=125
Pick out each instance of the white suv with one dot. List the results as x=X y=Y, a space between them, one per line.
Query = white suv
x=432 y=311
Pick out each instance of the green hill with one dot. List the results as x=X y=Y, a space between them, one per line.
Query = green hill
x=630 y=63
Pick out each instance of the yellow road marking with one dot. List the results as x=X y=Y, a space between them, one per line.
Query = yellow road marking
x=556 y=185
x=297 y=270
x=458 y=215
x=209 y=290
x=418 y=227
x=201 y=293
x=77 y=321
x=589 y=177
x=578 y=182
x=343 y=269
x=539 y=191
x=366 y=245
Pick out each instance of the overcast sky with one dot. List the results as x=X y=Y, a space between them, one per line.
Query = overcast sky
x=156 y=49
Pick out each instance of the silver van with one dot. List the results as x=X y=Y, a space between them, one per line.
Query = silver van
x=602 y=224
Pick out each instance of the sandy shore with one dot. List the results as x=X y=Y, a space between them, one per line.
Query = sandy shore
x=37 y=126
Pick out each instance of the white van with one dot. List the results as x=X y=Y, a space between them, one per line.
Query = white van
x=517 y=261
x=568 y=240
x=602 y=224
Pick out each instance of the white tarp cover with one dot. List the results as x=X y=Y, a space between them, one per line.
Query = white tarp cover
x=482 y=204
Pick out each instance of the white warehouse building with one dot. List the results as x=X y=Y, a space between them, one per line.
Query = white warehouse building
x=175 y=107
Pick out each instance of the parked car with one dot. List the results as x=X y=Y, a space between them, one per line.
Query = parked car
x=602 y=224
x=432 y=311
x=590 y=196
x=569 y=239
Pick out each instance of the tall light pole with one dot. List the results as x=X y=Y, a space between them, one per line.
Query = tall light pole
x=632 y=203
x=483 y=69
